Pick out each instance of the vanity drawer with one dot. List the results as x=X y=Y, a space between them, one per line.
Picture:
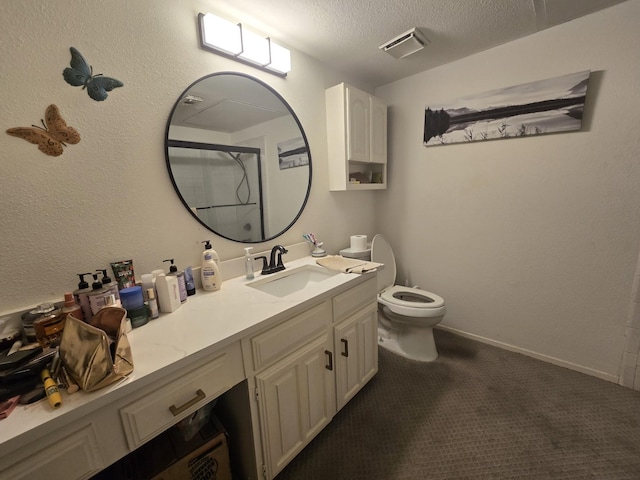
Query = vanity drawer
x=73 y=456
x=183 y=394
x=284 y=338
x=354 y=299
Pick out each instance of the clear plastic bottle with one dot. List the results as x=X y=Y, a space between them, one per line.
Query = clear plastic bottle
x=152 y=303
x=248 y=263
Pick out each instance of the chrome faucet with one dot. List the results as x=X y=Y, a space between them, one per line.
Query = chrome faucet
x=275 y=262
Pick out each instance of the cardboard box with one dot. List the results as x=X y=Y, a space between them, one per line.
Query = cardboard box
x=170 y=457
x=209 y=461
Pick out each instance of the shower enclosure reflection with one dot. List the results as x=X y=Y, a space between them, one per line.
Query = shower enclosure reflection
x=238 y=157
x=222 y=186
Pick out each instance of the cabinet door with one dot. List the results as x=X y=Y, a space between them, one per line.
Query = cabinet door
x=356 y=352
x=358 y=131
x=378 y=131
x=296 y=398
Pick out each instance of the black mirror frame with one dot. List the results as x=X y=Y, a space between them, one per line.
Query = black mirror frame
x=296 y=119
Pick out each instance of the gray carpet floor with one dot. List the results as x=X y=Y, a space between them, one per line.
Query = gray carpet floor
x=477 y=412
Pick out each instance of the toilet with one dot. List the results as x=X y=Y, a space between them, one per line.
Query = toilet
x=406 y=316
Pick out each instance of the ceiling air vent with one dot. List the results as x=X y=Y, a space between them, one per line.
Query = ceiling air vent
x=405 y=44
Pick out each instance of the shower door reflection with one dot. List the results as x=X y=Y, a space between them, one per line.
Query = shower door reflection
x=222 y=187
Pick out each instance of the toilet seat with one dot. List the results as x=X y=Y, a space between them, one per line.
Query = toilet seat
x=411 y=302
x=411 y=297
x=421 y=303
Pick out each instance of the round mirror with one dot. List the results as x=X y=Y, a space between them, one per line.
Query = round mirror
x=238 y=157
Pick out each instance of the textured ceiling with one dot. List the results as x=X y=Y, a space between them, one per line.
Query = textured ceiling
x=345 y=34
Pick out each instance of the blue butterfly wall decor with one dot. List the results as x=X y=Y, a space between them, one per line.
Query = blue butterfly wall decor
x=80 y=74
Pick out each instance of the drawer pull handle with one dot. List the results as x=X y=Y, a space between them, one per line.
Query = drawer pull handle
x=345 y=342
x=178 y=410
x=330 y=355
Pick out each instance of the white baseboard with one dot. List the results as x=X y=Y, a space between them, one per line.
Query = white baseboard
x=529 y=353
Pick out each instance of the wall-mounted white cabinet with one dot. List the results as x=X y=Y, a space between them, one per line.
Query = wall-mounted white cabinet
x=357 y=139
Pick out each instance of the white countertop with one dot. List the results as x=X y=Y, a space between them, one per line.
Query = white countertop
x=206 y=322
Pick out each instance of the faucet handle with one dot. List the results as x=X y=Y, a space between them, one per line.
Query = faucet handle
x=265 y=264
x=280 y=253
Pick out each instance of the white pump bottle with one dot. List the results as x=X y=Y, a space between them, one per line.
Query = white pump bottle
x=210 y=271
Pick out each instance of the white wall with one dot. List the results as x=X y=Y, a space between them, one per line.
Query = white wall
x=533 y=242
x=109 y=197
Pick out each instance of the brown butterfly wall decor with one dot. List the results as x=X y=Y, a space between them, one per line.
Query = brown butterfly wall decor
x=52 y=137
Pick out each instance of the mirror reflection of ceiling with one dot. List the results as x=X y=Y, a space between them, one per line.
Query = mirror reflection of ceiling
x=227 y=107
x=238 y=157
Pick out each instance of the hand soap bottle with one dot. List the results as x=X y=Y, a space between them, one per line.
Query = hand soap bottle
x=210 y=271
x=97 y=296
x=108 y=283
x=248 y=263
x=81 y=296
x=173 y=271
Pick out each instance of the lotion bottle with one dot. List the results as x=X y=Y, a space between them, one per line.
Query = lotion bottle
x=210 y=272
x=248 y=263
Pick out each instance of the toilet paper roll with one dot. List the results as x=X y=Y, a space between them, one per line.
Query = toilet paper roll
x=358 y=242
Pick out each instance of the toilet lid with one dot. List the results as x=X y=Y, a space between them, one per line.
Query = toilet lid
x=381 y=253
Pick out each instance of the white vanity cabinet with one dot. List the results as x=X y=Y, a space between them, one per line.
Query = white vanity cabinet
x=357 y=139
x=108 y=430
x=278 y=367
x=294 y=384
x=297 y=400
x=355 y=340
x=154 y=411
x=308 y=367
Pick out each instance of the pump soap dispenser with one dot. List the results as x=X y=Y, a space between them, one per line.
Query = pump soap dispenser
x=210 y=271
x=248 y=263
x=81 y=296
x=182 y=286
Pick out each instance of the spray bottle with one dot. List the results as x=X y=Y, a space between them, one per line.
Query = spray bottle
x=210 y=271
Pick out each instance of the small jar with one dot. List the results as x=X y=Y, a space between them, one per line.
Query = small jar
x=133 y=301
x=49 y=325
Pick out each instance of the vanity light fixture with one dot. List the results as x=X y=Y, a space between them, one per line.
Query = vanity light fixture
x=234 y=41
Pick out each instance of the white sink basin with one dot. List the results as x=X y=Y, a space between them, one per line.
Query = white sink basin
x=292 y=280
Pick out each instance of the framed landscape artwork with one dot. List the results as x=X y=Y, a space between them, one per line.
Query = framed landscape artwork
x=535 y=108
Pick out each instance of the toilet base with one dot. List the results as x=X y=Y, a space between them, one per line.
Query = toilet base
x=418 y=345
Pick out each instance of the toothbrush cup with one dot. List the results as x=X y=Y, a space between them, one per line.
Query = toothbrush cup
x=318 y=251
